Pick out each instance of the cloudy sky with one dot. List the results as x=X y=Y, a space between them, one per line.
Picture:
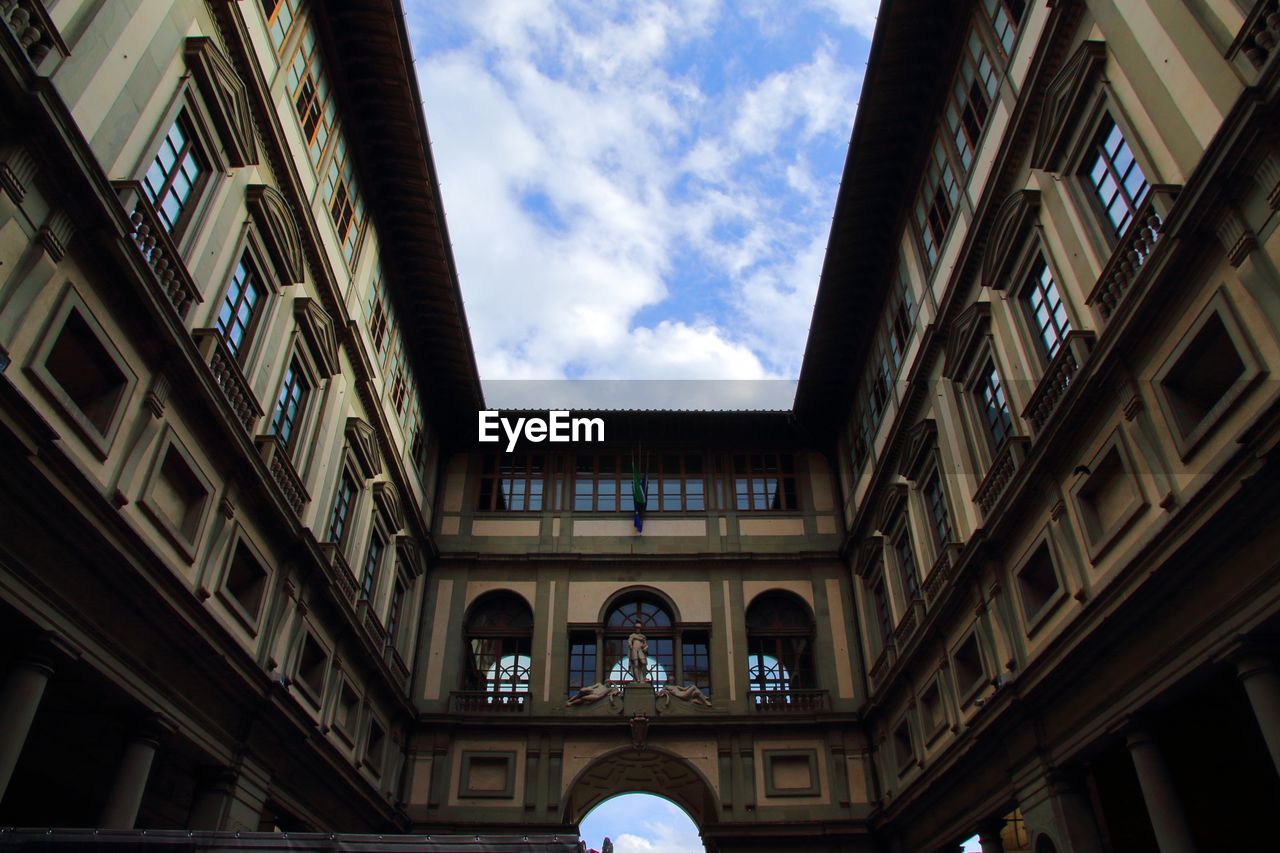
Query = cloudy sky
x=640 y=189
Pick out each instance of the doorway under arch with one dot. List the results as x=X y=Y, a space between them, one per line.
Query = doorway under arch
x=641 y=821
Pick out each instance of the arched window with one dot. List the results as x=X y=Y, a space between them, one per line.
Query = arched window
x=779 y=648
x=499 y=631
x=677 y=654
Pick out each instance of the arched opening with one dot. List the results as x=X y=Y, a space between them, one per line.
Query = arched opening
x=649 y=771
x=499 y=631
x=647 y=614
x=779 y=647
x=638 y=821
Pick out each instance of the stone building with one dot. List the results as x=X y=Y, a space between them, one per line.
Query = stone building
x=1008 y=567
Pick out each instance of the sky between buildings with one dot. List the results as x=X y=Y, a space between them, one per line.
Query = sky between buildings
x=639 y=189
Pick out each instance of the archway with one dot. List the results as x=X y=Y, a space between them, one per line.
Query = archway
x=648 y=771
x=641 y=822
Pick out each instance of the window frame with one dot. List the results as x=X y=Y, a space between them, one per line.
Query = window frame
x=753 y=473
x=1027 y=282
x=298 y=364
x=513 y=641
x=800 y=665
x=495 y=476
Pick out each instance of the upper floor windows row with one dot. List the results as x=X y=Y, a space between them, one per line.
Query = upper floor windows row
x=608 y=482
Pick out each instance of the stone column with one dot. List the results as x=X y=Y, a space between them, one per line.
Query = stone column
x=230 y=798
x=1258 y=675
x=121 y=810
x=19 y=698
x=1163 y=807
x=989 y=836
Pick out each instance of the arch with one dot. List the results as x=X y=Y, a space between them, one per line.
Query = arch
x=653 y=770
x=499 y=646
x=780 y=639
x=630 y=592
x=1044 y=844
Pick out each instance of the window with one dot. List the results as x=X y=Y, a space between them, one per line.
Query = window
x=511 y=482
x=582 y=659
x=1005 y=16
x=904 y=753
x=969 y=101
x=939 y=517
x=652 y=618
x=779 y=647
x=369 y=577
x=175 y=174
x=293 y=395
x=239 y=308
x=312 y=99
x=1115 y=177
x=994 y=406
x=377 y=314
x=1044 y=306
x=905 y=552
x=888 y=349
x=695 y=660
x=936 y=203
x=395 y=611
x=374 y=748
x=883 y=616
x=280 y=15
x=764 y=481
x=603 y=482
x=340 y=196
x=499 y=631
x=341 y=507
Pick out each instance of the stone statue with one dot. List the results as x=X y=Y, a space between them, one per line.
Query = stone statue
x=638 y=655
x=689 y=693
x=607 y=847
x=593 y=693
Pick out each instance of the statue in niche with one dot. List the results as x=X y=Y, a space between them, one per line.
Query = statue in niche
x=688 y=693
x=638 y=655
x=593 y=693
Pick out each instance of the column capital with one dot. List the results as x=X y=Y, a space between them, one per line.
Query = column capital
x=1254 y=663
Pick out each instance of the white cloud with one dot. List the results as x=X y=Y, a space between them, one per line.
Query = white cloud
x=589 y=178
x=859 y=14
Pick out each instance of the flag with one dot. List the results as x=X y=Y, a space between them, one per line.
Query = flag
x=639 y=495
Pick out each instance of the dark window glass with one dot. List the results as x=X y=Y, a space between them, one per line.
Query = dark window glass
x=512 y=482
x=779 y=646
x=499 y=642
x=368 y=578
x=939 y=517
x=582 y=660
x=969 y=101
x=293 y=395
x=695 y=660
x=240 y=306
x=174 y=174
x=1046 y=310
x=764 y=481
x=994 y=406
x=1005 y=16
x=395 y=611
x=1116 y=177
x=884 y=620
x=907 y=565
x=936 y=203
x=341 y=507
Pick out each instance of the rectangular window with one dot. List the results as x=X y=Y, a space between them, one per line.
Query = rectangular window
x=311 y=96
x=937 y=202
x=368 y=578
x=582 y=660
x=341 y=508
x=293 y=396
x=939 y=517
x=1115 y=177
x=240 y=306
x=674 y=482
x=377 y=316
x=280 y=15
x=764 y=481
x=340 y=196
x=511 y=482
x=1045 y=308
x=884 y=619
x=395 y=611
x=695 y=660
x=175 y=174
x=994 y=406
x=969 y=101
x=907 y=565
x=1005 y=17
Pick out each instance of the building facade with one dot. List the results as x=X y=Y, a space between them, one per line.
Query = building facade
x=1007 y=568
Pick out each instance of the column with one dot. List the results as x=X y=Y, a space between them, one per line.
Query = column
x=121 y=810
x=19 y=698
x=1163 y=807
x=989 y=836
x=231 y=798
x=1258 y=675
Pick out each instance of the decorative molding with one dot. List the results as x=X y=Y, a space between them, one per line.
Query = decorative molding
x=921 y=440
x=1267 y=174
x=1236 y=237
x=317 y=328
x=387 y=499
x=1016 y=215
x=55 y=234
x=1133 y=406
x=892 y=502
x=17 y=172
x=225 y=96
x=409 y=555
x=157 y=396
x=279 y=230
x=966 y=333
x=869 y=553
x=1065 y=99
x=363 y=443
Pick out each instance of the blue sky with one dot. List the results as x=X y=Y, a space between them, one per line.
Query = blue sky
x=641 y=823
x=639 y=189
